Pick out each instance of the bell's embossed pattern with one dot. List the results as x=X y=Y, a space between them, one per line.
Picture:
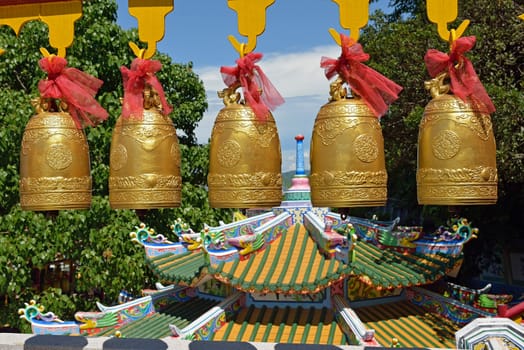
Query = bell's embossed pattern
x=456 y=151
x=54 y=162
x=347 y=154
x=145 y=160
x=245 y=158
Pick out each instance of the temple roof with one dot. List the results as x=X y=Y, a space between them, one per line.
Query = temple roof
x=156 y=325
x=411 y=324
x=386 y=269
x=184 y=269
x=300 y=249
x=283 y=325
x=293 y=264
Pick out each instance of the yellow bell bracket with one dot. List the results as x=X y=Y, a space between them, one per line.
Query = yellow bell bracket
x=442 y=12
x=150 y=15
x=251 y=22
x=46 y=53
x=354 y=15
x=59 y=16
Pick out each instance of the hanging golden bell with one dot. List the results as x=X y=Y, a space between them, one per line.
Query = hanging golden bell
x=456 y=151
x=54 y=161
x=145 y=160
x=348 y=167
x=245 y=158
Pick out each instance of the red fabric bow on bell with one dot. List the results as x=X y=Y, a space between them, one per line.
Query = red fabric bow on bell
x=376 y=90
x=142 y=72
x=252 y=79
x=74 y=87
x=464 y=80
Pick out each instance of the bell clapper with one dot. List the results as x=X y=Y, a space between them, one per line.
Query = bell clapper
x=141 y=213
x=454 y=211
x=344 y=214
x=51 y=214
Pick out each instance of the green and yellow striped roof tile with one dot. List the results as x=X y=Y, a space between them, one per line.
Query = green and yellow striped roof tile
x=292 y=264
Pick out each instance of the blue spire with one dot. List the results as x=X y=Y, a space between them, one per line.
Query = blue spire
x=300 y=155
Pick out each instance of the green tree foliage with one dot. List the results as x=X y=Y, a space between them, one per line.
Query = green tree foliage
x=397 y=50
x=97 y=240
x=403 y=8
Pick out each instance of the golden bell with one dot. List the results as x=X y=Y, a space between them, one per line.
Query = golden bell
x=145 y=160
x=245 y=158
x=348 y=168
x=456 y=151
x=54 y=162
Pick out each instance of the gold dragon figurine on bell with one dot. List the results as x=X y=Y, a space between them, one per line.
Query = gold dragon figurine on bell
x=245 y=158
x=348 y=167
x=145 y=160
x=456 y=150
x=54 y=161
x=456 y=145
x=145 y=155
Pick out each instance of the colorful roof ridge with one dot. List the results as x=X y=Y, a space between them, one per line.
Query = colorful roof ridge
x=292 y=264
x=283 y=325
x=156 y=325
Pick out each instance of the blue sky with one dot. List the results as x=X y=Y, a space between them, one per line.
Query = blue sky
x=295 y=39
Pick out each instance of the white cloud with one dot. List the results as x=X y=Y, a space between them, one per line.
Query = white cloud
x=299 y=79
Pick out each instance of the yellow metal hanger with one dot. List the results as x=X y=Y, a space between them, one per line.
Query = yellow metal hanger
x=150 y=15
x=251 y=22
x=59 y=16
x=442 y=12
x=354 y=15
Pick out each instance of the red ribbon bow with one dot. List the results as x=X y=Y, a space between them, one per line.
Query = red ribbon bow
x=142 y=72
x=76 y=88
x=252 y=79
x=376 y=90
x=464 y=80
